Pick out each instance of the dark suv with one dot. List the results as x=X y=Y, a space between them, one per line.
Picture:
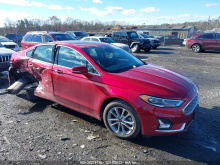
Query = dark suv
x=204 y=41
x=36 y=37
x=132 y=39
x=17 y=38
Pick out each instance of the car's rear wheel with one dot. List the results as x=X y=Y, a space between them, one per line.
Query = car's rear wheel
x=121 y=119
x=135 y=48
x=196 y=48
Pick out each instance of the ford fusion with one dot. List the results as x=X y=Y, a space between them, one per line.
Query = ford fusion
x=109 y=84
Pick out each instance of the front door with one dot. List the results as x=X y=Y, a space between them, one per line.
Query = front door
x=77 y=91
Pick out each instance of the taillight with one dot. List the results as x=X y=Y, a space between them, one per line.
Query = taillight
x=189 y=40
x=14 y=39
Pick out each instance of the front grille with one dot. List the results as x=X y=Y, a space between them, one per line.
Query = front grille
x=191 y=106
x=5 y=58
x=9 y=46
x=147 y=42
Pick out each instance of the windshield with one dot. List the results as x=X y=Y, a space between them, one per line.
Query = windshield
x=107 y=40
x=80 y=34
x=112 y=59
x=145 y=35
x=132 y=35
x=62 y=37
x=3 y=39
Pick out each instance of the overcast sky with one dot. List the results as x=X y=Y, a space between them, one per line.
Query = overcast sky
x=132 y=12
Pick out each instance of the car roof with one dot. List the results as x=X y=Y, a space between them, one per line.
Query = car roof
x=125 y=31
x=78 y=43
x=95 y=37
x=43 y=32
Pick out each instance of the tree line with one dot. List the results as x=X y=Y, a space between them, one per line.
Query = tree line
x=55 y=24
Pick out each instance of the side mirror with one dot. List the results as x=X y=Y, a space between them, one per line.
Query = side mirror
x=80 y=70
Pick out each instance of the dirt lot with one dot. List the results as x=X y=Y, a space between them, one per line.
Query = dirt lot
x=46 y=132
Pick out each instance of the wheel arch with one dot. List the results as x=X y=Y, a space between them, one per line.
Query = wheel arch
x=107 y=101
x=197 y=44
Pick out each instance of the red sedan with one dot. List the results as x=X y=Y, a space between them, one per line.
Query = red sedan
x=110 y=84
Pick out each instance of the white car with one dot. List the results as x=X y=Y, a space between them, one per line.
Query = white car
x=9 y=44
x=107 y=40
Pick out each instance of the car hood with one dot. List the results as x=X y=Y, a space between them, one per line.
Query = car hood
x=153 y=80
x=6 y=51
x=119 y=44
x=153 y=39
x=8 y=43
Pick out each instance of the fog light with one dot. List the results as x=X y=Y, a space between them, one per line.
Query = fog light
x=164 y=124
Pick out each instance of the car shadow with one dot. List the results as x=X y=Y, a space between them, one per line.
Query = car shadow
x=3 y=80
x=196 y=144
x=39 y=105
x=200 y=143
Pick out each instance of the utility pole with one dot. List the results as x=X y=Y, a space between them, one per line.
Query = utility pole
x=216 y=29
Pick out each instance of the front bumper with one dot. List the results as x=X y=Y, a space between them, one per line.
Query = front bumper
x=155 y=119
x=146 y=46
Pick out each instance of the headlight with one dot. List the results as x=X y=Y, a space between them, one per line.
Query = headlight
x=161 y=102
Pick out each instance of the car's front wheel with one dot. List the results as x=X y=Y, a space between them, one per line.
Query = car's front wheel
x=121 y=119
x=135 y=48
x=196 y=48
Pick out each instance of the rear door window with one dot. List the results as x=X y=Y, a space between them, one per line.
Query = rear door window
x=27 y=38
x=43 y=53
x=48 y=38
x=36 y=38
x=208 y=36
x=217 y=36
x=95 y=39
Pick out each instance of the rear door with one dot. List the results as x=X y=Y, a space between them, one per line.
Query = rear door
x=75 y=90
x=208 y=41
x=40 y=65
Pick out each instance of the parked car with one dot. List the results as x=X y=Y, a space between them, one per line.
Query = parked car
x=204 y=41
x=185 y=41
x=132 y=40
x=107 y=40
x=154 y=42
x=109 y=84
x=170 y=40
x=77 y=34
x=9 y=44
x=17 y=38
x=5 y=55
x=36 y=37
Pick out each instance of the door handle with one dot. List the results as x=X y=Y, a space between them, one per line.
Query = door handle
x=59 y=71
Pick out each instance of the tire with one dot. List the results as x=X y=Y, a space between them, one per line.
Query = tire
x=30 y=95
x=135 y=48
x=147 y=50
x=121 y=119
x=196 y=48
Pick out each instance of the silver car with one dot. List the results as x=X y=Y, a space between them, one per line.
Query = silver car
x=107 y=40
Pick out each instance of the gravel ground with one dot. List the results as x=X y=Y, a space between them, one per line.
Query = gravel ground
x=45 y=132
